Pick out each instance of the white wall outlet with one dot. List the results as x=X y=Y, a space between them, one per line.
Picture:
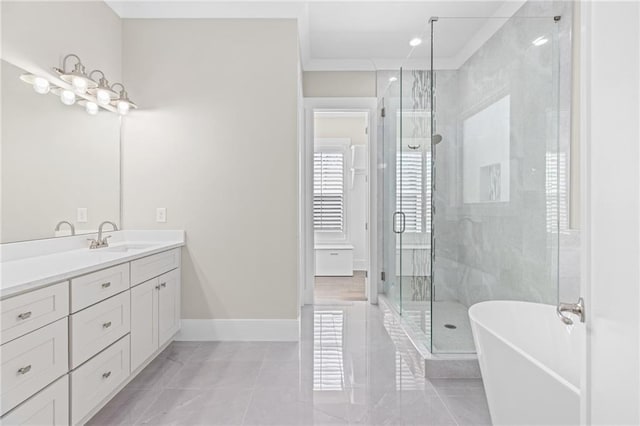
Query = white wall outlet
x=82 y=215
x=161 y=214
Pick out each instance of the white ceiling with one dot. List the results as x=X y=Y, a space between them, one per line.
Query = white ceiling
x=355 y=35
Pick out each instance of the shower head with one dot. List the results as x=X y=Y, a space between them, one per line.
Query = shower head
x=436 y=139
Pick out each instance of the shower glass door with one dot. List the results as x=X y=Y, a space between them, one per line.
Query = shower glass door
x=391 y=221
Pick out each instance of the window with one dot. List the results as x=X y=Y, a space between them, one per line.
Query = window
x=328 y=191
x=556 y=192
x=413 y=189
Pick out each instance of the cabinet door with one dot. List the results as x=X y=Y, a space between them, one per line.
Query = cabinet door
x=169 y=305
x=144 y=322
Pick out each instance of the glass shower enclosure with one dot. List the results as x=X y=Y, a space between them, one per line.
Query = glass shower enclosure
x=474 y=141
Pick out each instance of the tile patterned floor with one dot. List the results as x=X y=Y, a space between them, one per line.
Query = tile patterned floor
x=344 y=371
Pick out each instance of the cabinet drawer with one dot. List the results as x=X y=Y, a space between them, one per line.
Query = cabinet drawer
x=48 y=407
x=98 y=378
x=334 y=262
x=32 y=362
x=152 y=266
x=92 y=288
x=97 y=327
x=27 y=312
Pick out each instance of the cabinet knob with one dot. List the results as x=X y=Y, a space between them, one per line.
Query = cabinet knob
x=24 y=370
x=106 y=285
x=24 y=315
x=163 y=284
x=106 y=375
x=106 y=324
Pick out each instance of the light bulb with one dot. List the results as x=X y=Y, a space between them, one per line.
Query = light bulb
x=91 y=108
x=103 y=97
x=68 y=97
x=123 y=107
x=415 y=42
x=41 y=85
x=79 y=84
x=392 y=79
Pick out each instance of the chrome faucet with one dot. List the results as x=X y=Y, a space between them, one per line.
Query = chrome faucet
x=63 y=222
x=574 y=308
x=102 y=242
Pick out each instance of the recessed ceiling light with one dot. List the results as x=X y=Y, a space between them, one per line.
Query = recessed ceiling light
x=415 y=42
x=392 y=79
x=540 y=41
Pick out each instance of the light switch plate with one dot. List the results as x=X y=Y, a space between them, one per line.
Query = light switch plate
x=82 y=215
x=161 y=214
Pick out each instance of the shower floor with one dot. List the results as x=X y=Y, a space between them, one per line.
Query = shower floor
x=437 y=324
x=420 y=316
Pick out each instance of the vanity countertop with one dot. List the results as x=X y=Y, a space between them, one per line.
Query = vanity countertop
x=34 y=264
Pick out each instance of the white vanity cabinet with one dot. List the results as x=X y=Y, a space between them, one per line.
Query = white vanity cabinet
x=48 y=407
x=168 y=306
x=155 y=319
x=32 y=362
x=69 y=347
x=144 y=321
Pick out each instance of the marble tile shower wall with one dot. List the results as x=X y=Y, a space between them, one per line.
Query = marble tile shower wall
x=508 y=250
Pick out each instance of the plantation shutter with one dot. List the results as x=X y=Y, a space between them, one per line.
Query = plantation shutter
x=328 y=191
x=556 y=192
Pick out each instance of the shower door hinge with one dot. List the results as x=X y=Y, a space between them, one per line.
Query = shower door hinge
x=383 y=276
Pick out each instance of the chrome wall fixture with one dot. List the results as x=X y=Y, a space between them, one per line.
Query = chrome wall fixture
x=92 y=89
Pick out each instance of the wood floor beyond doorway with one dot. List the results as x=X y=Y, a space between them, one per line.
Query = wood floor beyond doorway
x=340 y=288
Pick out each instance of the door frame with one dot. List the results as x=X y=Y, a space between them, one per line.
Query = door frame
x=306 y=148
x=610 y=182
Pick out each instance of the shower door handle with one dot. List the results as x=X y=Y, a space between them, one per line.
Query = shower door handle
x=403 y=219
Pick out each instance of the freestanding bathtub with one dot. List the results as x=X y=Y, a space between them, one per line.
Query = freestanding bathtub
x=529 y=362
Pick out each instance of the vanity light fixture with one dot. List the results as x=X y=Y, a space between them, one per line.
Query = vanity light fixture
x=392 y=79
x=40 y=85
x=91 y=107
x=67 y=97
x=417 y=41
x=77 y=77
x=123 y=103
x=76 y=85
x=103 y=92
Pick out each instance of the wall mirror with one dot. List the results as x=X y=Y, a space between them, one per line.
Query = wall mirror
x=58 y=163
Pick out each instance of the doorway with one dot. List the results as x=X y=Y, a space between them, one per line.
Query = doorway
x=336 y=236
x=340 y=213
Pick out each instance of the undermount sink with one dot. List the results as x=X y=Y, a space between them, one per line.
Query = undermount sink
x=125 y=248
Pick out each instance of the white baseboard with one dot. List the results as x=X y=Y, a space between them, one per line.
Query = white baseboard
x=360 y=265
x=243 y=330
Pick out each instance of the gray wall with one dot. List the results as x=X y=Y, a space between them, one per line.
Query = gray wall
x=216 y=144
x=339 y=84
